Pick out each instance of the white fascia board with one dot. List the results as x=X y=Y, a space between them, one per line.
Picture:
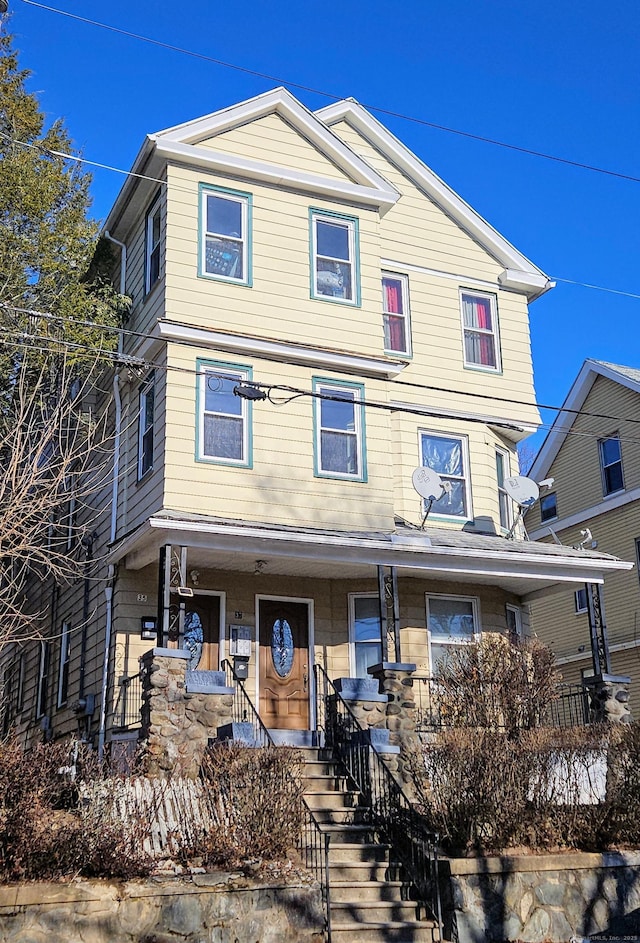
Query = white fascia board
x=218 y=162
x=522 y=429
x=376 y=551
x=533 y=279
x=131 y=182
x=608 y=504
x=531 y=284
x=283 y=103
x=278 y=350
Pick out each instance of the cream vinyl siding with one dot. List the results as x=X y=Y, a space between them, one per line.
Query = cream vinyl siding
x=272 y=140
x=146 y=308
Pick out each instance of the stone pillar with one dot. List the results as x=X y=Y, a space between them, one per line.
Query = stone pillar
x=609 y=696
x=181 y=711
x=396 y=682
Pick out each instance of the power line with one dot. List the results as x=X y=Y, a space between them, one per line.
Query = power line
x=331 y=95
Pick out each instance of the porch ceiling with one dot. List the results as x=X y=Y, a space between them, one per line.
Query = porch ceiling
x=523 y=568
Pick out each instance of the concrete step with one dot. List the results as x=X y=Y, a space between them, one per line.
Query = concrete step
x=344 y=816
x=358 y=853
x=324 y=783
x=355 y=872
x=348 y=833
x=398 y=931
x=320 y=768
x=372 y=890
x=331 y=799
x=373 y=911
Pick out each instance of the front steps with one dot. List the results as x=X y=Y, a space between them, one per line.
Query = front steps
x=370 y=903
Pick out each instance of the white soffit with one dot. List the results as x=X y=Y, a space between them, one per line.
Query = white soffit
x=520 y=273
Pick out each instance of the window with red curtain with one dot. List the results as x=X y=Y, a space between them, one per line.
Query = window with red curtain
x=394 y=299
x=479 y=323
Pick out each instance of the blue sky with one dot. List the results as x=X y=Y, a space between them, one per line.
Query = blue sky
x=554 y=77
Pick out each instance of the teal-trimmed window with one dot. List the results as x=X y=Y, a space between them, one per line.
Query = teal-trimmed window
x=339 y=430
x=335 y=274
x=225 y=234
x=145 y=427
x=395 y=307
x=448 y=455
x=152 y=244
x=224 y=419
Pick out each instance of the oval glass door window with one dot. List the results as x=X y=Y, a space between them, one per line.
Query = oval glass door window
x=193 y=638
x=282 y=648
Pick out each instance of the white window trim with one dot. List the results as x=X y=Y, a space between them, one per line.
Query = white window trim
x=517 y=611
x=148 y=386
x=466 y=465
x=350 y=225
x=149 y=245
x=243 y=240
x=495 y=333
x=352 y=627
x=65 y=659
x=506 y=473
x=322 y=386
x=457 y=643
x=606 y=494
x=580 y=610
x=406 y=315
x=241 y=376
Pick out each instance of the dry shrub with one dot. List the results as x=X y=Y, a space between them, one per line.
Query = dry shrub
x=254 y=799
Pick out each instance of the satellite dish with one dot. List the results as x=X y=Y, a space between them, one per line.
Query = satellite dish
x=524 y=491
x=427 y=483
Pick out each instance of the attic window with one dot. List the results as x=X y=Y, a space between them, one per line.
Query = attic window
x=225 y=217
x=480 y=331
x=548 y=507
x=334 y=241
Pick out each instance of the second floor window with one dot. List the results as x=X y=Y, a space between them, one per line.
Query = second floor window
x=504 y=501
x=65 y=659
x=145 y=428
x=339 y=431
x=611 y=465
x=334 y=248
x=224 y=418
x=480 y=331
x=395 y=305
x=152 y=248
x=447 y=455
x=43 y=677
x=225 y=229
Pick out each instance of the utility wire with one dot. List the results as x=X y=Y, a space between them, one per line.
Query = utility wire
x=331 y=95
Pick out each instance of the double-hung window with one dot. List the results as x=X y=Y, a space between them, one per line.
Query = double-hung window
x=334 y=250
x=480 y=331
x=65 y=659
x=152 y=245
x=395 y=306
x=581 y=603
x=43 y=678
x=364 y=621
x=452 y=621
x=145 y=427
x=504 y=501
x=448 y=456
x=225 y=230
x=223 y=418
x=339 y=430
x=611 y=464
x=548 y=507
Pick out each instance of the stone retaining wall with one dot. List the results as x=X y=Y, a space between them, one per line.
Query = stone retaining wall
x=550 y=898
x=195 y=910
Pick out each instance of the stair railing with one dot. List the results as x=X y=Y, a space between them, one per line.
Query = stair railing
x=313 y=842
x=393 y=815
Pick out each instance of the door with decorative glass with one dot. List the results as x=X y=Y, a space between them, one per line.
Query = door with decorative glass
x=202 y=632
x=284 y=664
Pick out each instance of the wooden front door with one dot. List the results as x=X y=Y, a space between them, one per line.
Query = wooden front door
x=284 y=664
x=202 y=632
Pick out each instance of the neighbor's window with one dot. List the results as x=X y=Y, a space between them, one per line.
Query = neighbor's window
x=364 y=617
x=225 y=218
x=611 y=464
x=65 y=658
x=448 y=456
x=43 y=677
x=395 y=306
x=224 y=418
x=152 y=245
x=504 y=501
x=580 y=600
x=334 y=247
x=480 y=330
x=451 y=621
x=339 y=423
x=145 y=427
x=548 y=507
x=514 y=620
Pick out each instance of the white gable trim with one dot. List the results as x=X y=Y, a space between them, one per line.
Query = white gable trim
x=279 y=350
x=282 y=103
x=574 y=401
x=520 y=273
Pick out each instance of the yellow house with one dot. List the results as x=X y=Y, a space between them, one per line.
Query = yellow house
x=315 y=315
x=593 y=454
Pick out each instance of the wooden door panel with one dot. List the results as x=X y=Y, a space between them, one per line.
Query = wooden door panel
x=284 y=664
x=202 y=632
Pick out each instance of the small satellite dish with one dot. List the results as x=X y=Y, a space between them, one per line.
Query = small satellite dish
x=427 y=483
x=524 y=491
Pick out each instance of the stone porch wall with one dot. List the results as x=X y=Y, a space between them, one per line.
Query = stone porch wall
x=542 y=898
x=203 y=909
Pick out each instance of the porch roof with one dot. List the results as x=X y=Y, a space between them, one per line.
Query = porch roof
x=524 y=568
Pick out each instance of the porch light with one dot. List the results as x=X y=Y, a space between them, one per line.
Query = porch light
x=247 y=390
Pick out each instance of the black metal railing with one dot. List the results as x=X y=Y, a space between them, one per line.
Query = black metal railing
x=392 y=815
x=127 y=710
x=437 y=706
x=314 y=843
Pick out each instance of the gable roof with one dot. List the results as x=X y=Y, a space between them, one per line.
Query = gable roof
x=628 y=377
x=520 y=274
